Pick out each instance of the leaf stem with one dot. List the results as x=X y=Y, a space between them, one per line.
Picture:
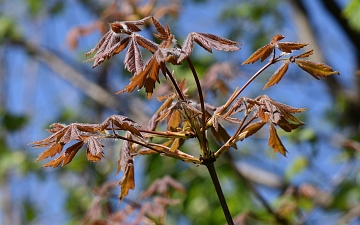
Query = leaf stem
x=209 y=163
x=202 y=105
x=175 y=84
x=236 y=94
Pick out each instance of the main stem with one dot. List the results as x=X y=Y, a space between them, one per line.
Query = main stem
x=209 y=163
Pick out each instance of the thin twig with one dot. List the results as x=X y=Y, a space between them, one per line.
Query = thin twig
x=204 y=147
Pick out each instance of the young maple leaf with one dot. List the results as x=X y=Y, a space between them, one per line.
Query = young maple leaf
x=275 y=142
x=62 y=134
x=208 y=42
x=278 y=113
x=315 y=69
x=278 y=75
x=117 y=39
x=265 y=51
x=165 y=52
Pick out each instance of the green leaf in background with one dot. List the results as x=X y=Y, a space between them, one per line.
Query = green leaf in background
x=297 y=166
x=352 y=14
x=13 y=122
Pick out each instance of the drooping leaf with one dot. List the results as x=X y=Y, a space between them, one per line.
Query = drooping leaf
x=208 y=42
x=278 y=75
x=262 y=53
x=127 y=182
x=126 y=164
x=133 y=59
x=275 y=142
x=315 y=69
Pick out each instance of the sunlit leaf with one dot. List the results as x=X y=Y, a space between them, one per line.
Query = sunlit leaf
x=275 y=142
x=94 y=149
x=66 y=157
x=279 y=73
x=262 y=53
x=289 y=47
x=50 y=152
x=315 y=69
x=305 y=55
x=253 y=128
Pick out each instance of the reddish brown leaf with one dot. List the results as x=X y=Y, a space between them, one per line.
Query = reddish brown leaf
x=162 y=33
x=127 y=182
x=315 y=69
x=207 y=41
x=289 y=47
x=126 y=164
x=146 y=78
x=122 y=123
x=278 y=75
x=276 y=38
x=305 y=55
x=94 y=149
x=253 y=128
x=275 y=142
x=127 y=27
x=50 y=152
x=262 y=53
x=146 y=43
x=133 y=59
x=65 y=157
x=174 y=120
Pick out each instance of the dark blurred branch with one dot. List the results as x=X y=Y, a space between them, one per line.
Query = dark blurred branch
x=307 y=31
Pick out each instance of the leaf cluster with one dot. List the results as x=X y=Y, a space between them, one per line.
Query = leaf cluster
x=184 y=118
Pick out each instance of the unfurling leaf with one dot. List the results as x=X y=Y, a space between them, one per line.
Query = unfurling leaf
x=275 y=142
x=207 y=41
x=133 y=59
x=279 y=73
x=262 y=53
x=315 y=69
